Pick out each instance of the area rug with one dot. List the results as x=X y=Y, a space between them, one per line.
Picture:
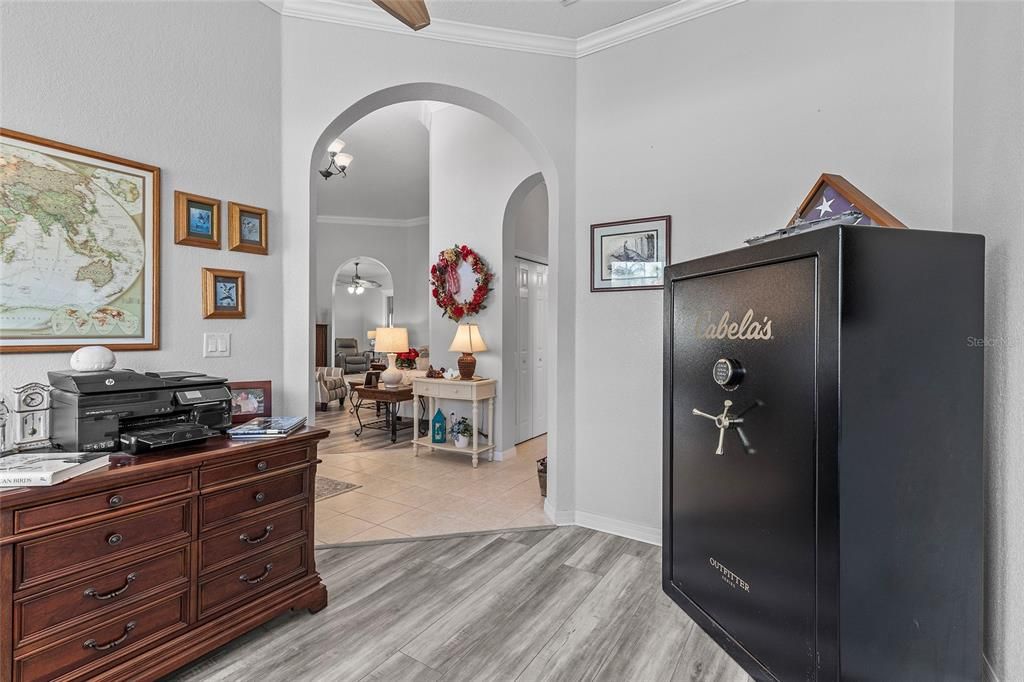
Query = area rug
x=328 y=487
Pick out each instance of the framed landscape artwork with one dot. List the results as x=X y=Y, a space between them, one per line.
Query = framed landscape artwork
x=249 y=399
x=196 y=220
x=629 y=255
x=80 y=248
x=223 y=293
x=247 y=228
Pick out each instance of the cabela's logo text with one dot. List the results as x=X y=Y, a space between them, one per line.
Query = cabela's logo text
x=724 y=328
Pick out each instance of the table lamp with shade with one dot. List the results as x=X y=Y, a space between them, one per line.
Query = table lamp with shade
x=467 y=341
x=392 y=340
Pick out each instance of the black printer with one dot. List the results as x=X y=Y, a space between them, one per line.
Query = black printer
x=121 y=409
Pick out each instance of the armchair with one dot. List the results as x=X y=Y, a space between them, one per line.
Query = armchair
x=330 y=385
x=348 y=357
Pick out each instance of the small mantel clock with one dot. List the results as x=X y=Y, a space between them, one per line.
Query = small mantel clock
x=31 y=416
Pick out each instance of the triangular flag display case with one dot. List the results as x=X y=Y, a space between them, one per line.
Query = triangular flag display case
x=833 y=195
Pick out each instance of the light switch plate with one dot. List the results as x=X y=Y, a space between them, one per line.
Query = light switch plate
x=216 y=344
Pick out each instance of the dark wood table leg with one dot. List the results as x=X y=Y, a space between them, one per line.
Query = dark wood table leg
x=393 y=408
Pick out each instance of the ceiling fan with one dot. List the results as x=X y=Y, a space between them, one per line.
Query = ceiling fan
x=358 y=285
x=412 y=13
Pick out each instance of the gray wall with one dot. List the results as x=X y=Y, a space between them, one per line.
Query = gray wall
x=403 y=250
x=475 y=167
x=988 y=179
x=194 y=88
x=724 y=123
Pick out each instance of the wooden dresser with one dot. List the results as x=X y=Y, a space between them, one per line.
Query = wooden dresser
x=131 y=572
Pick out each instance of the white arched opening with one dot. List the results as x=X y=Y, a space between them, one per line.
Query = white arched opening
x=299 y=356
x=369 y=309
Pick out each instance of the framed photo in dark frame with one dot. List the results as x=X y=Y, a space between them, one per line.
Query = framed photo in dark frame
x=372 y=379
x=250 y=399
x=630 y=255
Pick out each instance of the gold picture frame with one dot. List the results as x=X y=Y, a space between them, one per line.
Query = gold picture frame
x=240 y=217
x=196 y=220
x=129 y=320
x=223 y=294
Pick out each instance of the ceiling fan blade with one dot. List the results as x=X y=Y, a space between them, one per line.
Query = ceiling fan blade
x=412 y=13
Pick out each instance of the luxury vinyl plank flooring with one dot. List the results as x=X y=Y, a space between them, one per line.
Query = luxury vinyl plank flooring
x=567 y=604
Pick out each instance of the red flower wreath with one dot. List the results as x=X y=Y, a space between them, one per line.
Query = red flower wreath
x=444 y=278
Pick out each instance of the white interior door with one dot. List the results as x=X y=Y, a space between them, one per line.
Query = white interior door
x=524 y=374
x=539 y=329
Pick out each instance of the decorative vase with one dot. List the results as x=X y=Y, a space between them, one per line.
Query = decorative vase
x=460 y=440
x=392 y=376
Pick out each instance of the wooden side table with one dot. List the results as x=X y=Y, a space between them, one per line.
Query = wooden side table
x=471 y=391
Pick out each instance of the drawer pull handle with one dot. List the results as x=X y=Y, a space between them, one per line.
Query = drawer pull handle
x=261 y=466
x=115 y=501
x=260 y=497
x=115 y=539
x=258 y=579
x=255 y=541
x=128 y=580
x=91 y=643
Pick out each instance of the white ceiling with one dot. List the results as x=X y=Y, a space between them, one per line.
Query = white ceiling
x=571 y=29
x=546 y=17
x=388 y=178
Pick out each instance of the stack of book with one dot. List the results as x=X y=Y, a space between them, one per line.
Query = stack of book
x=266 y=427
x=46 y=467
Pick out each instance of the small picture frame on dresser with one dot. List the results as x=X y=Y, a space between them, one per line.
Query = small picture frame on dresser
x=249 y=400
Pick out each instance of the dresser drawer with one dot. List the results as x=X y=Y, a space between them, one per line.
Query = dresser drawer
x=109 y=500
x=245 y=500
x=251 y=537
x=78 y=656
x=57 y=555
x=39 y=615
x=244 y=580
x=251 y=467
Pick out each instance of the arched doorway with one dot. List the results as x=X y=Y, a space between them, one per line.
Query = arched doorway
x=362 y=299
x=559 y=336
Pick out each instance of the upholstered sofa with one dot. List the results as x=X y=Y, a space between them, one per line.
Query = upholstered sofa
x=348 y=357
x=330 y=385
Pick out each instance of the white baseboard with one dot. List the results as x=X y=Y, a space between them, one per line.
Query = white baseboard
x=559 y=518
x=605 y=524
x=502 y=455
x=626 y=529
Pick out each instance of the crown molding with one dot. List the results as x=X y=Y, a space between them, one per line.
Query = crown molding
x=650 y=22
x=421 y=221
x=450 y=31
x=373 y=18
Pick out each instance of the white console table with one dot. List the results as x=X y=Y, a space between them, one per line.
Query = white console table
x=471 y=391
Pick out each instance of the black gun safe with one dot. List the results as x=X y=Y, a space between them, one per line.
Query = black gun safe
x=823 y=453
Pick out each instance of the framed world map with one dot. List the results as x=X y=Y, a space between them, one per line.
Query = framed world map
x=79 y=248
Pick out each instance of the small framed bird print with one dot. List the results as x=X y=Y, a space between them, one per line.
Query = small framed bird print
x=223 y=293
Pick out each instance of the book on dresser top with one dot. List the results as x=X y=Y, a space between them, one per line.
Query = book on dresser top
x=46 y=467
x=267 y=427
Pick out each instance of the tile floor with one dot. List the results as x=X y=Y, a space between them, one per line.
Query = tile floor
x=433 y=494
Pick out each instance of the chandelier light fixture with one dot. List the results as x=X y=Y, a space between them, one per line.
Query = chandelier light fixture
x=339 y=161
